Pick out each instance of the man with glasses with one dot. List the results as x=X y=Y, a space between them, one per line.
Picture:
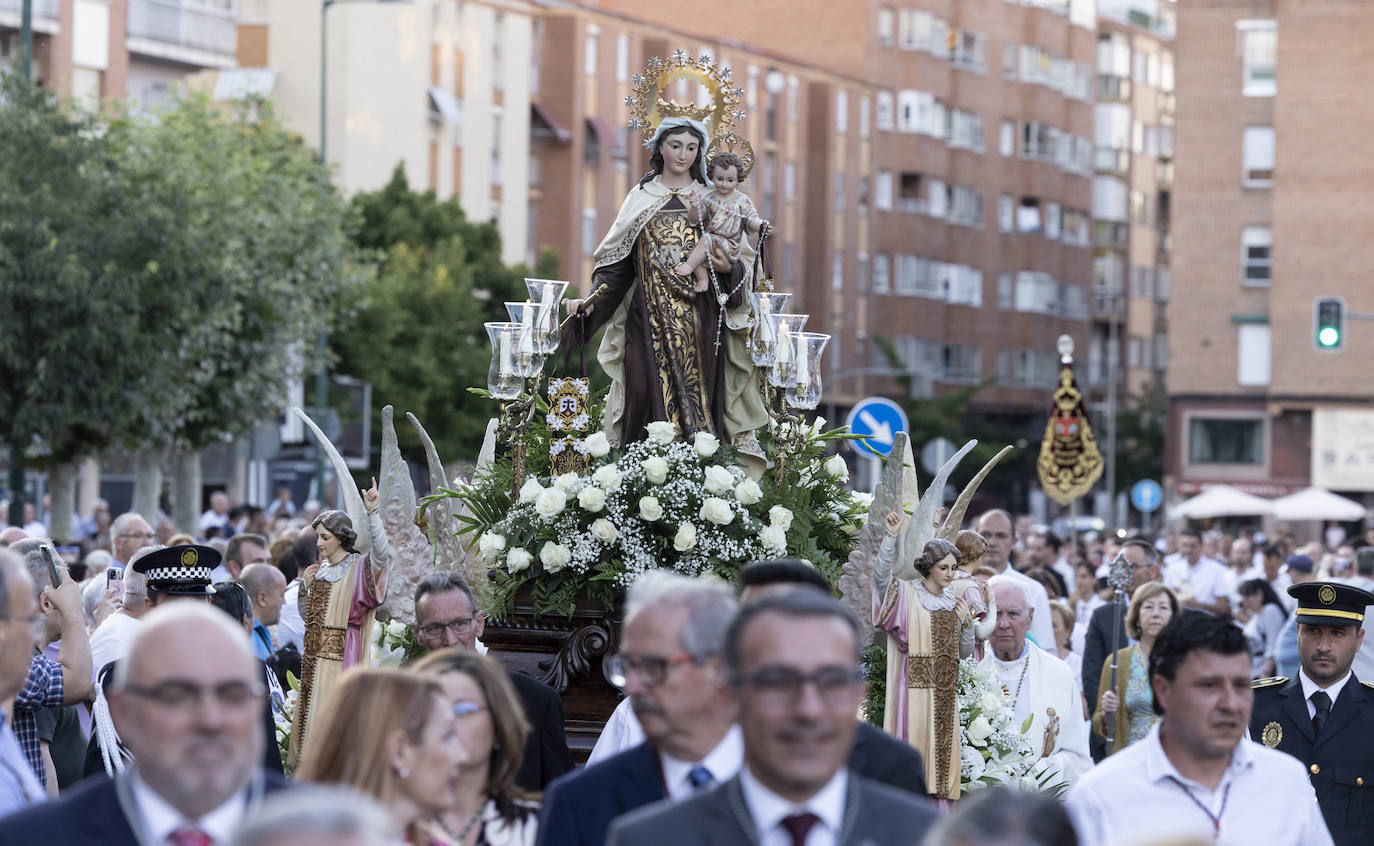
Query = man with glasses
x=187 y=702
x=20 y=627
x=792 y=658
x=128 y=534
x=446 y=615
x=669 y=665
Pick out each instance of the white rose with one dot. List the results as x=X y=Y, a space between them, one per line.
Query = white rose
x=979 y=730
x=686 y=537
x=604 y=530
x=718 y=479
x=550 y=503
x=655 y=469
x=555 y=556
x=661 y=432
x=836 y=468
x=591 y=499
x=530 y=491
x=716 y=510
x=780 y=517
x=862 y=500
x=707 y=444
x=649 y=508
x=517 y=559
x=597 y=445
x=607 y=476
x=992 y=703
x=489 y=544
x=748 y=492
x=817 y=426
x=565 y=482
x=774 y=539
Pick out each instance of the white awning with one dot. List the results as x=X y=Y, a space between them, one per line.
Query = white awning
x=443 y=102
x=1222 y=501
x=1318 y=504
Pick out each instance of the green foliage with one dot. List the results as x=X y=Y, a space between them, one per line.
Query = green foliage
x=875 y=676
x=415 y=331
x=1140 y=438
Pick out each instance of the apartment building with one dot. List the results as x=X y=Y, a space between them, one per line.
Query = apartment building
x=134 y=50
x=1273 y=212
x=439 y=86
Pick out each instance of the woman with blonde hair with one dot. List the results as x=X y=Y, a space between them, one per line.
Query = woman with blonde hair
x=393 y=735
x=488 y=808
x=1130 y=704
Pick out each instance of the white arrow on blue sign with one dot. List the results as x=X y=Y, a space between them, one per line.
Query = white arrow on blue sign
x=1146 y=495
x=877 y=420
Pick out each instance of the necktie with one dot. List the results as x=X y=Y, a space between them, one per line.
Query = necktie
x=701 y=778
x=1322 y=703
x=797 y=826
x=189 y=837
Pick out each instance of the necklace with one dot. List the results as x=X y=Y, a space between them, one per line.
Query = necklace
x=461 y=836
x=1215 y=818
x=1025 y=665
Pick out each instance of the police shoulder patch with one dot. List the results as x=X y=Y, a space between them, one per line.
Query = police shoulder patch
x=1271 y=681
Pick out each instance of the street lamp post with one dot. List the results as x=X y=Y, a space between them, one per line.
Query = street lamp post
x=16 y=482
x=322 y=338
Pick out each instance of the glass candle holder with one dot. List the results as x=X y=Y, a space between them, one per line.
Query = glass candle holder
x=529 y=353
x=503 y=376
x=763 y=343
x=784 y=361
x=548 y=293
x=804 y=388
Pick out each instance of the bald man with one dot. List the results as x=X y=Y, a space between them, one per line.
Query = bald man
x=197 y=773
x=266 y=588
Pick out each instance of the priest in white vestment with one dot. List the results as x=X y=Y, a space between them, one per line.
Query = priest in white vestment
x=1038 y=683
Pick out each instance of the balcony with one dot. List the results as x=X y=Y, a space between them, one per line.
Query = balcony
x=190 y=35
x=1107 y=233
x=1114 y=88
x=44 y=16
x=1109 y=303
x=1112 y=160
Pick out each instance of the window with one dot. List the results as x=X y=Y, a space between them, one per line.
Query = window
x=970 y=50
x=1028 y=218
x=884 y=111
x=789 y=181
x=882 y=273
x=1009 y=62
x=911 y=198
x=1006 y=144
x=837 y=272
x=1052 y=220
x=885 y=26
x=966 y=207
x=1259 y=41
x=839 y=191
x=1076 y=228
x=1254 y=246
x=841 y=111
x=864 y=106
x=882 y=190
x=938 y=204
x=793 y=99
x=1113 y=54
x=589 y=58
x=965 y=130
x=1258 y=155
x=1005 y=291
x=622 y=58
x=1225 y=441
x=1252 y=354
x=863 y=276
x=1006 y=213
x=1110 y=199
x=1039 y=140
x=588 y=231
x=496 y=144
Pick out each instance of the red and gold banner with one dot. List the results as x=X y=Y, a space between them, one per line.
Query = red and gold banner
x=1070 y=461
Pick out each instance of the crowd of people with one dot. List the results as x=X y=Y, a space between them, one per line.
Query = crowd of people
x=1194 y=686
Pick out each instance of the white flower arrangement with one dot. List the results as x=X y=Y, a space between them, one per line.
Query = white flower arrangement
x=992 y=748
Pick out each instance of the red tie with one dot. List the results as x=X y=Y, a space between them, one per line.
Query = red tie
x=798 y=825
x=189 y=837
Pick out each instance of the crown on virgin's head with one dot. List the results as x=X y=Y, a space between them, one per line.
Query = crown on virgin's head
x=672 y=108
x=649 y=107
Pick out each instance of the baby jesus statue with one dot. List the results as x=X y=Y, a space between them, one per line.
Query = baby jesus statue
x=729 y=214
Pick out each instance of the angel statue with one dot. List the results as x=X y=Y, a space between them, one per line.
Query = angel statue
x=339 y=594
x=931 y=612
x=674 y=353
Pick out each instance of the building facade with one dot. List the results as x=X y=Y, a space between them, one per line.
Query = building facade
x=1273 y=213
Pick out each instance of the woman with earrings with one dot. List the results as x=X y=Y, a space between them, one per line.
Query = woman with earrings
x=488 y=808
x=394 y=735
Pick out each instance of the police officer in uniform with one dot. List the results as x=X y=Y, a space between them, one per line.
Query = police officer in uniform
x=1325 y=716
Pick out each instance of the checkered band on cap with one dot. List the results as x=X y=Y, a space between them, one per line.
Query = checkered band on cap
x=179 y=574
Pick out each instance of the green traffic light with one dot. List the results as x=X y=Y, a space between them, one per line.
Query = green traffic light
x=1328 y=337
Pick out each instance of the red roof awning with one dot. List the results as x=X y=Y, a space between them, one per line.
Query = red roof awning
x=610 y=140
x=544 y=124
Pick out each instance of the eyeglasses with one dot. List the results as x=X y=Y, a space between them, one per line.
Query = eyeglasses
x=459 y=626
x=139 y=535
x=467 y=709
x=182 y=695
x=651 y=669
x=778 y=687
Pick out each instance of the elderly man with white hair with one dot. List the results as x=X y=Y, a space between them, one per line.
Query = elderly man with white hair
x=1038 y=685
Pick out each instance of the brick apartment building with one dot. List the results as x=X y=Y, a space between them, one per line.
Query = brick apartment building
x=1273 y=211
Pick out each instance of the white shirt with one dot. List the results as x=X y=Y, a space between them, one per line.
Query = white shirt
x=290 y=626
x=1203 y=582
x=622 y=731
x=1138 y=796
x=768 y=810
x=162 y=819
x=1042 y=625
x=1310 y=687
x=111 y=641
x=723 y=761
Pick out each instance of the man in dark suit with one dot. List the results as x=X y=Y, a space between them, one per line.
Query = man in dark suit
x=792 y=657
x=446 y=614
x=1097 y=643
x=1325 y=716
x=197 y=772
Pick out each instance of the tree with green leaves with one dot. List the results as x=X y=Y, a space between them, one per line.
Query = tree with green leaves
x=415 y=332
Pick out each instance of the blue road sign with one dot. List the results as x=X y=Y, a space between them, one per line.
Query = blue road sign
x=877 y=420
x=1146 y=495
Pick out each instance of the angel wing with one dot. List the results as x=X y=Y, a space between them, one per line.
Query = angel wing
x=443 y=514
x=352 y=498
x=950 y=528
x=921 y=527
x=413 y=556
x=856 y=578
